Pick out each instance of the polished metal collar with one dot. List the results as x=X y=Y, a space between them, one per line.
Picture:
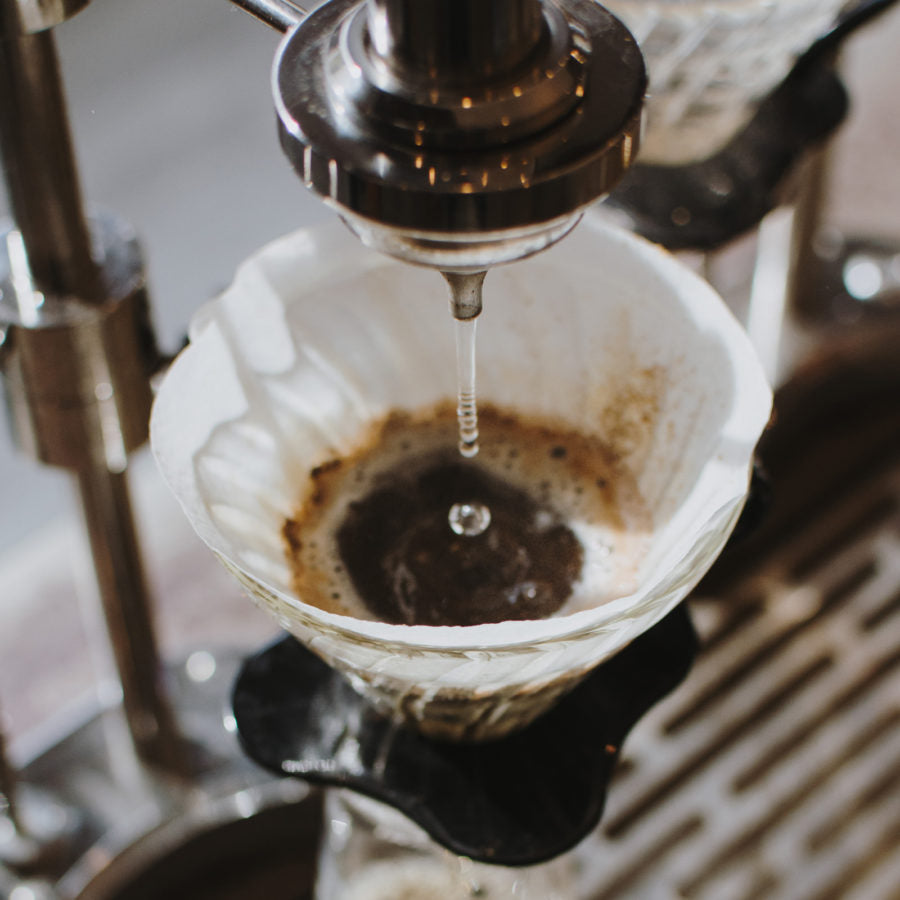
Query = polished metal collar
x=447 y=155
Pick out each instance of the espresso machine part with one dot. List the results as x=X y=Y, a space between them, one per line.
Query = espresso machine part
x=76 y=350
x=457 y=133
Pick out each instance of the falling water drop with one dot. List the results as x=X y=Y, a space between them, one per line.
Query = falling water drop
x=469 y=519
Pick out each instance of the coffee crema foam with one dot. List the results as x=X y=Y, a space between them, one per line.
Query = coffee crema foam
x=572 y=479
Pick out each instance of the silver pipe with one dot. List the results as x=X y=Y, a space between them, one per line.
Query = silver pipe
x=106 y=505
x=39 y=167
x=278 y=14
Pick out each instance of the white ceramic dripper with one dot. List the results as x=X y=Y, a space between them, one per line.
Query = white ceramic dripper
x=318 y=338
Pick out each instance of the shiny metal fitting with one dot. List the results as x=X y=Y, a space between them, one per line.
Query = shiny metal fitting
x=77 y=373
x=18 y=17
x=459 y=133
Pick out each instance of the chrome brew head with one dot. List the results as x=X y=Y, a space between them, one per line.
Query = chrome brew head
x=459 y=133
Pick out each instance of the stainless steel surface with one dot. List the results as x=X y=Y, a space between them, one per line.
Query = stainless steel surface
x=77 y=372
x=31 y=16
x=443 y=160
x=39 y=169
x=472 y=41
x=278 y=14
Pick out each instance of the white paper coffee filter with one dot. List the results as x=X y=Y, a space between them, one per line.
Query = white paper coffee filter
x=318 y=338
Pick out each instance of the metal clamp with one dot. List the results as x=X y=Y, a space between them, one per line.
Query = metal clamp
x=77 y=373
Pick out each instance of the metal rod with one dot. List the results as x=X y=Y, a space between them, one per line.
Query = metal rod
x=809 y=211
x=278 y=14
x=126 y=603
x=39 y=168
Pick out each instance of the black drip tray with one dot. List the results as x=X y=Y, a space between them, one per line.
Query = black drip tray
x=516 y=801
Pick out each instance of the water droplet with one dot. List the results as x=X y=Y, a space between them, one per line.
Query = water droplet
x=469 y=519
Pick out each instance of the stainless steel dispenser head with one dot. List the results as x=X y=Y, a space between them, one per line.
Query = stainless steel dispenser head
x=459 y=133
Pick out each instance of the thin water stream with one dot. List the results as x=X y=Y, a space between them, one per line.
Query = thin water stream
x=467 y=398
x=468 y=516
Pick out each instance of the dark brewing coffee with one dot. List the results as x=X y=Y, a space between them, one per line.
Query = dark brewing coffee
x=372 y=538
x=410 y=567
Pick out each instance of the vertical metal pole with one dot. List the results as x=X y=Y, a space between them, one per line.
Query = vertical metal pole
x=808 y=217
x=45 y=196
x=106 y=506
x=39 y=166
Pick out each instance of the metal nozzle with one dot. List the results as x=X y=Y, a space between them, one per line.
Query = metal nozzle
x=459 y=133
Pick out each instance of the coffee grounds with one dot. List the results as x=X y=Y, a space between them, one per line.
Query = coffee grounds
x=409 y=567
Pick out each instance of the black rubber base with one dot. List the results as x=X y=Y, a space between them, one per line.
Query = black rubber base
x=516 y=801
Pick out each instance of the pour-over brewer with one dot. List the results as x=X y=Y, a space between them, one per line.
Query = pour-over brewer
x=457 y=154
x=496 y=206
x=459 y=134
x=459 y=196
